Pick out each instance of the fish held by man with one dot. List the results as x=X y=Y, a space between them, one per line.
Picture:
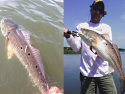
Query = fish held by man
x=106 y=50
x=17 y=41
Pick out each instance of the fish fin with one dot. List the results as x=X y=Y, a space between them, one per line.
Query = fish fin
x=122 y=83
x=106 y=36
x=9 y=52
x=31 y=42
x=118 y=54
x=39 y=60
x=93 y=50
x=6 y=42
x=31 y=79
x=27 y=36
x=94 y=42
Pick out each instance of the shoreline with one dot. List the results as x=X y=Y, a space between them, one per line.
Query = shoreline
x=69 y=50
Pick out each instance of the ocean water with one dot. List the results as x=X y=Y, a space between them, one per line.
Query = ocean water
x=43 y=19
x=72 y=73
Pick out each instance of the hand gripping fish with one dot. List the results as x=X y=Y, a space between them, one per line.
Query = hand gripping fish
x=106 y=50
x=30 y=57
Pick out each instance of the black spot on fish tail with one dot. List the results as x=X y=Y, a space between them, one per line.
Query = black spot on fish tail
x=21 y=47
x=106 y=44
x=36 y=66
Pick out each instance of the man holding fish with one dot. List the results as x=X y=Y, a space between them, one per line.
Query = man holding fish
x=94 y=70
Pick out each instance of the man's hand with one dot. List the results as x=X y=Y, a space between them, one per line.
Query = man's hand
x=65 y=33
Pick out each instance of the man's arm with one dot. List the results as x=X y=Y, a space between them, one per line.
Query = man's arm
x=74 y=42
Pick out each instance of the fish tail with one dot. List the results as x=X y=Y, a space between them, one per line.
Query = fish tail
x=122 y=82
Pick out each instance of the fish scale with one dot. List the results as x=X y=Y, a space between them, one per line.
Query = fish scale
x=106 y=50
x=28 y=55
x=113 y=55
x=17 y=48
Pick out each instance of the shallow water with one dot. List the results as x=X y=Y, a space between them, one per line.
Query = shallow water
x=43 y=19
x=72 y=72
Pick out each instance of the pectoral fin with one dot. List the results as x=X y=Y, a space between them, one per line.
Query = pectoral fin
x=9 y=52
x=93 y=50
x=6 y=42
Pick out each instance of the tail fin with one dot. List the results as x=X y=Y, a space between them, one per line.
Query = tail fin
x=122 y=82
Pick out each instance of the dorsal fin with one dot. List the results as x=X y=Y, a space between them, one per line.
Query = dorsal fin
x=106 y=36
x=39 y=60
x=118 y=54
x=27 y=36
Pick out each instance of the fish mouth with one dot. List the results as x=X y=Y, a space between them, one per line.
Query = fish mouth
x=7 y=25
x=2 y=27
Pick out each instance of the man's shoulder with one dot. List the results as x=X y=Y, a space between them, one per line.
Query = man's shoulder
x=105 y=25
x=82 y=25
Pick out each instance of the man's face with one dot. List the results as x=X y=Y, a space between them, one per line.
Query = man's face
x=95 y=15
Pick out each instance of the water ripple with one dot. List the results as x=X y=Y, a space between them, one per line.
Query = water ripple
x=43 y=19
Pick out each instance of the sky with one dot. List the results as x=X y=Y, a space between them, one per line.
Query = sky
x=78 y=11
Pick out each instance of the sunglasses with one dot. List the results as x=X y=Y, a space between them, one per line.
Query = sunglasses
x=96 y=9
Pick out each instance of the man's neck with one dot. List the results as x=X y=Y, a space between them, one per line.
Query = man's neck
x=94 y=22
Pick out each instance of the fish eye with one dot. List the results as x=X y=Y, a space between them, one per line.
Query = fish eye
x=21 y=47
x=36 y=66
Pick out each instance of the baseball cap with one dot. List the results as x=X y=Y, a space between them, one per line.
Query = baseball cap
x=100 y=4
